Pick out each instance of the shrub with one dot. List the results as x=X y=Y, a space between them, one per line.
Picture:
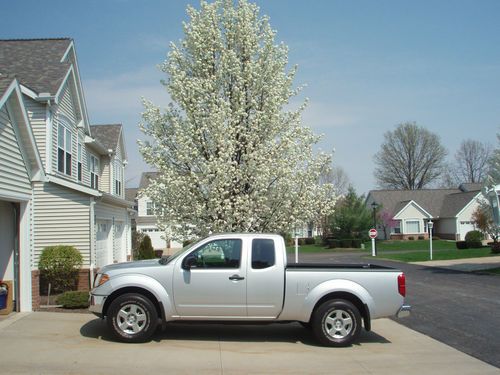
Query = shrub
x=310 y=241
x=346 y=243
x=461 y=245
x=474 y=244
x=74 y=300
x=146 y=250
x=495 y=247
x=333 y=243
x=473 y=237
x=356 y=243
x=411 y=238
x=301 y=241
x=59 y=266
x=421 y=237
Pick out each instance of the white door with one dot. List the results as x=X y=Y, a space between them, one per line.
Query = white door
x=215 y=285
x=103 y=250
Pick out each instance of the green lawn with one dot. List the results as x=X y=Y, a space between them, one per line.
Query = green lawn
x=412 y=245
x=493 y=271
x=420 y=256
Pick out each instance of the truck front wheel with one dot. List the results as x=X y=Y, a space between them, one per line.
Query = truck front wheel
x=336 y=323
x=132 y=318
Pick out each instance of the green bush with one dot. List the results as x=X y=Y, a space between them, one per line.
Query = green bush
x=302 y=241
x=356 y=244
x=74 y=300
x=421 y=237
x=146 y=250
x=461 y=245
x=495 y=247
x=346 y=243
x=473 y=239
x=310 y=241
x=411 y=238
x=59 y=266
x=333 y=243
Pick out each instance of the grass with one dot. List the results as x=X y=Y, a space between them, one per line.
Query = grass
x=412 y=245
x=420 y=256
x=492 y=271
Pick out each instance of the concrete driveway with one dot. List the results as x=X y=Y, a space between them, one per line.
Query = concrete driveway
x=59 y=343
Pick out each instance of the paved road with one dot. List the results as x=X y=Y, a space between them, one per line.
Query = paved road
x=457 y=308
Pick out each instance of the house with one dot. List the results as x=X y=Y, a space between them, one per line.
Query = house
x=61 y=179
x=450 y=210
x=146 y=220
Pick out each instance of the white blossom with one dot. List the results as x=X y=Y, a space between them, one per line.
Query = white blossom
x=230 y=156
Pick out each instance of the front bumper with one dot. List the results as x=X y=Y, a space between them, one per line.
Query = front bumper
x=404 y=311
x=96 y=304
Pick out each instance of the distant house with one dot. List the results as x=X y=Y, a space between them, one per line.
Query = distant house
x=449 y=209
x=61 y=179
x=146 y=220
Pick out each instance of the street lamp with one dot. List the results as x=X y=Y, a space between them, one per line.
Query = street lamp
x=493 y=195
x=430 y=225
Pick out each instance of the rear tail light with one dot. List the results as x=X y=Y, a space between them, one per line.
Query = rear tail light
x=402 y=284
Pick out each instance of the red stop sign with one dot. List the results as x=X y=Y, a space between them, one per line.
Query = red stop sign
x=373 y=233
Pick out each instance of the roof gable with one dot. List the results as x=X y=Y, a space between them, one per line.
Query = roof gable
x=108 y=135
x=146 y=178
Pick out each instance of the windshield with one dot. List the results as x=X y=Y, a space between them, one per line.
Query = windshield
x=179 y=252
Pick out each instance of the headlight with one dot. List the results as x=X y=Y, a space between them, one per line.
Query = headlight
x=100 y=279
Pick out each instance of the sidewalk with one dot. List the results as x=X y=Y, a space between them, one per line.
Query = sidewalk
x=58 y=343
x=467 y=265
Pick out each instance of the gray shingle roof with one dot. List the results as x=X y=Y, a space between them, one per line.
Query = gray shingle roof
x=35 y=62
x=107 y=135
x=438 y=202
x=145 y=178
x=131 y=194
x=5 y=81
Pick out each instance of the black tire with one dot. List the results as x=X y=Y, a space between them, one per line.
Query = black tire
x=336 y=323
x=132 y=318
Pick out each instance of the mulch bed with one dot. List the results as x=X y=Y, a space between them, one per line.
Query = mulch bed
x=50 y=305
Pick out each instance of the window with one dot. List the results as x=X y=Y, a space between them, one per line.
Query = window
x=397 y=227
x=263 y=254
x=118 y=169
x=94 y=172
x=64 y=141
x=412 y=226
x=80 y=172
x=218 y=254
x=150 y=208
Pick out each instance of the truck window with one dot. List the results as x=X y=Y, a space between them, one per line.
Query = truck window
x=263 y=253
x=219 y=254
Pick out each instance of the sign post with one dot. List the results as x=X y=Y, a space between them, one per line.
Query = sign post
x=372 y=233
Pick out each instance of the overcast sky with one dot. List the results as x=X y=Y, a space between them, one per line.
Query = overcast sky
x=368 y=65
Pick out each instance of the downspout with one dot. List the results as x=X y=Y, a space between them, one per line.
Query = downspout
x=92 y=241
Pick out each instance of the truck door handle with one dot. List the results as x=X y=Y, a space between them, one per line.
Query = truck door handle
x=236 y=278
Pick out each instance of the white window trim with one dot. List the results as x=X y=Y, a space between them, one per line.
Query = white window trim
x=413 y=220
x=64 y=148
x=94 y=171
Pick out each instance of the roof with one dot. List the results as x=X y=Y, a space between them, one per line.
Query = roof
x=146 y=178
x=131 y=194
x=107 y=135
x=437 y=202
x=5 y=81
x=36 y=62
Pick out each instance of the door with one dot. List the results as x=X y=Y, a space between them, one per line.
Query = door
x=265 y=279
x=8 y=242
x=103 y=251
x=215 y=286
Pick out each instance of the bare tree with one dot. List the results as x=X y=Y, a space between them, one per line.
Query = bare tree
x=411 y=157
x=471 y=162
x=336 y=176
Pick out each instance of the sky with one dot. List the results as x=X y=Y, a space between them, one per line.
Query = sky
x=367 y=66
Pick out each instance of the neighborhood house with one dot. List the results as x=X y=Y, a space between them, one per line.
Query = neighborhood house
x=410 y=211
x=61 y=178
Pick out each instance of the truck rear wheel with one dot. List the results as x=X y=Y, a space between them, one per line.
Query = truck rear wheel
x=132 y=318
x=336 y=323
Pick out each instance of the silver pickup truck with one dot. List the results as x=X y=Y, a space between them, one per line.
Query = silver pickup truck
x=245 y=278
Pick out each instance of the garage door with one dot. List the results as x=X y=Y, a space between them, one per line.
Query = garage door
x=465 y=227
x=119 y=249
x=103 y=250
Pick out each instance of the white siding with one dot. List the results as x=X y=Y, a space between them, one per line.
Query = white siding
x=14 y=177
x=37 y=114
x=105 y=175
x=62 y=216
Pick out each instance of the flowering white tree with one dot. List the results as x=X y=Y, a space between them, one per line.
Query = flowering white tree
x=230 y=157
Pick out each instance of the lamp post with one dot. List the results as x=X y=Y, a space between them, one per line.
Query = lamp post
x=430 y=225
x=374 y=243
x=493 y=195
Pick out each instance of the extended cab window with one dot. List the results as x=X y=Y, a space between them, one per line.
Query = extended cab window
x=219 y=254
x=263 y=254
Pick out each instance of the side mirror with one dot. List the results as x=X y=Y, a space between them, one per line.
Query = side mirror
x=189 y=262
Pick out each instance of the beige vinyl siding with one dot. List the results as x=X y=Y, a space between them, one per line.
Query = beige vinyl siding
x=66 y=108
x=118 y=159
x=104 y=184
x=37 y=114
x=62 y=216
x=85 y=158
x=14 y=177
